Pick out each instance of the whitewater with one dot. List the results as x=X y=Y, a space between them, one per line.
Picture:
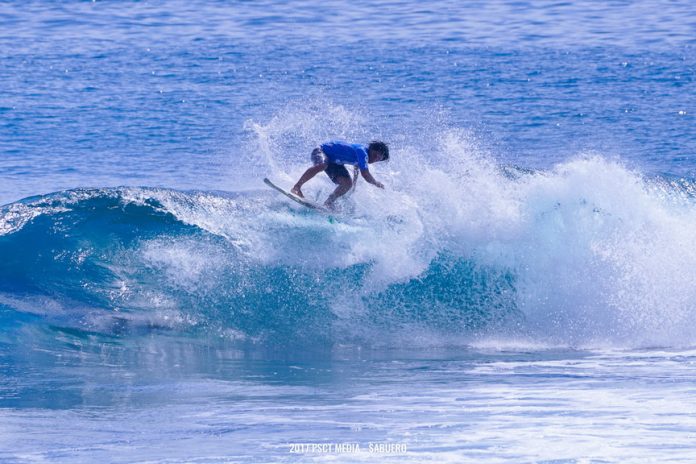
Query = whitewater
x=521 y=291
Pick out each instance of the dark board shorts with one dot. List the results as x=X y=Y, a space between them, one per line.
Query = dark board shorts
x=333 y=170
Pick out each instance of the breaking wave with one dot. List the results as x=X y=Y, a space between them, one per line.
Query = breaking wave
x=586 y=253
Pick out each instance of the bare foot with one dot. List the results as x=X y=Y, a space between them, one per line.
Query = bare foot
x=297 y=191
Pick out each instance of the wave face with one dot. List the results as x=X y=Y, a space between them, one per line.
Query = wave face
x=587 y=253
x=244 y=266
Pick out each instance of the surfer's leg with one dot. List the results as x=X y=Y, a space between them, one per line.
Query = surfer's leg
x=339 y=176
x=344 y=184
x=319 y=163
x=309 y=173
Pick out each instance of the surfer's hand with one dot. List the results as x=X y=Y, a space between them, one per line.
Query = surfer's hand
x=296 y=191
x=379 y=184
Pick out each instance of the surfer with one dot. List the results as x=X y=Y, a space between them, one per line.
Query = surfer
x=331 y=157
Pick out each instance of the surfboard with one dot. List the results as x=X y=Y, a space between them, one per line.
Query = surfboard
x=295 y=198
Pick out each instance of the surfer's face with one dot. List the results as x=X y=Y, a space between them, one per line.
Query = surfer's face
x=374 y=156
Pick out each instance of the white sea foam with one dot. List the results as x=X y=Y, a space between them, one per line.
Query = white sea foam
x=601 y=255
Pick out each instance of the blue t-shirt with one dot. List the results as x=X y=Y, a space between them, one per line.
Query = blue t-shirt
x=339 y=152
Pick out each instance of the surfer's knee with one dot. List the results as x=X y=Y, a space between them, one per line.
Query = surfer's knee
x=319 y=167
x=344 y=181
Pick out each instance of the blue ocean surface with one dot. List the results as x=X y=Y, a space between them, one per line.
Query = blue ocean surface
x=522 y=290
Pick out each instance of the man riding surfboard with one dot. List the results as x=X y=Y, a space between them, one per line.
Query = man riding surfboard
x=331 y=157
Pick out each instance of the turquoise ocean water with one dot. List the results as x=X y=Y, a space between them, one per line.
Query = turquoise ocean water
x=521 y=291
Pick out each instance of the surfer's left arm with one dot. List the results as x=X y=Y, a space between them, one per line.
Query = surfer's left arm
x=368 y=177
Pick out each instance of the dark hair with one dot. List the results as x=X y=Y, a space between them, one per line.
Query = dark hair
x=380 y=147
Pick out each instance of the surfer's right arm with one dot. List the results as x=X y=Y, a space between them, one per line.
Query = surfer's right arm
x=368 y=177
